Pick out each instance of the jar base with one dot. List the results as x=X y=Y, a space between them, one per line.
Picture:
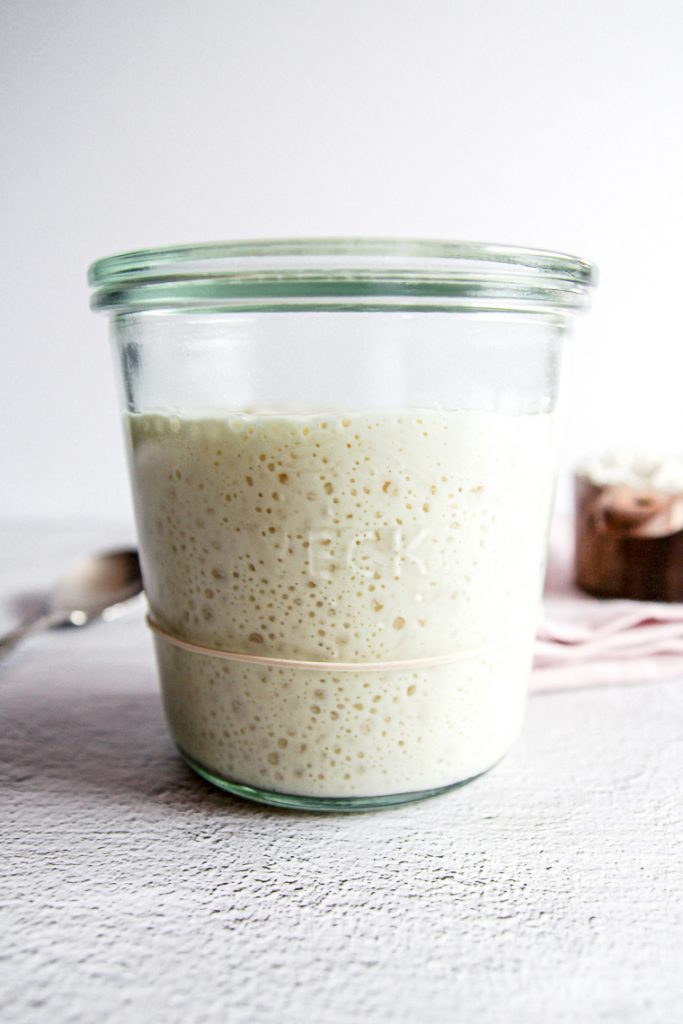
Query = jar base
x=330 y=804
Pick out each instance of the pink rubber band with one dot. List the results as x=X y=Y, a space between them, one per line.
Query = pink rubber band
x=337 y=666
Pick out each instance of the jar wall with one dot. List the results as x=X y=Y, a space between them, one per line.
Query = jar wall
x=196 y=364
x=364 y=487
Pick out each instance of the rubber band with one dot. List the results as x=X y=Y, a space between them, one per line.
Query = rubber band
x=336 y=666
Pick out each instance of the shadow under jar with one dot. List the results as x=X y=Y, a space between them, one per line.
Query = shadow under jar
x=343 y=456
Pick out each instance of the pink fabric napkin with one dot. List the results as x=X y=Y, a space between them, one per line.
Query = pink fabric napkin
x=586 y=641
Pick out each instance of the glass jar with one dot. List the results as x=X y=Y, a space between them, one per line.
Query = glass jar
x=343 y=456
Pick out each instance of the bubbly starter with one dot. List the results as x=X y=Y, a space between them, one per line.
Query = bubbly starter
x=369 y=537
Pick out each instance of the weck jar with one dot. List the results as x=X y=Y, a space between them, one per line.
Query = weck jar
x=343 y=455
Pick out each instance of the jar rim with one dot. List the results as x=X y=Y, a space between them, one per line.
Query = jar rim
x=342 y=273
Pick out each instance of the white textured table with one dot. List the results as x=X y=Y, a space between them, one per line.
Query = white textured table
x=546 y=891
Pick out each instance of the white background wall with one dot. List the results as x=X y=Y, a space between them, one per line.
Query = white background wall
x=127 y=123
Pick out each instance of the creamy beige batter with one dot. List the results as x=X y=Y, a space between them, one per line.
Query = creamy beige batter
x=371 y=536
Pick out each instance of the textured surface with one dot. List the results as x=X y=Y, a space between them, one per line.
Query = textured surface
x=547 y=890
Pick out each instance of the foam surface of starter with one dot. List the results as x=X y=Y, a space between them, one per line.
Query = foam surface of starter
x=378 y=536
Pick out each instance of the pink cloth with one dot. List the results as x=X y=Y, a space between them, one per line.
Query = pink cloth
x=585 y=641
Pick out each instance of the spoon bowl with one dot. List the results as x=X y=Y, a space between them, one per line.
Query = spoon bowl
x=94 y=584
x=90 y=588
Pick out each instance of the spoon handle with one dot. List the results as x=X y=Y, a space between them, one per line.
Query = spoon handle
x=11 y=639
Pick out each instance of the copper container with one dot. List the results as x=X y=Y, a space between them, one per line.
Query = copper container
x=629 y=541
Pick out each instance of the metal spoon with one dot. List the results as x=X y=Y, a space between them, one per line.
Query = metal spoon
x=90 y=588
